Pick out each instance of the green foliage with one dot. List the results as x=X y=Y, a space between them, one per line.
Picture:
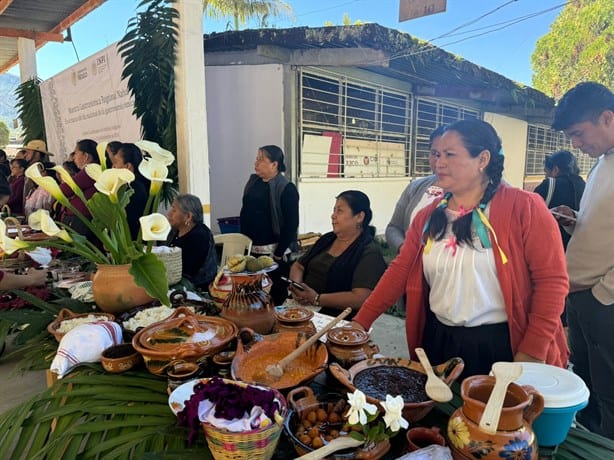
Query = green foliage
x=577 y=48
x=4 y=135
x=30 y=110
x=243 y=10
x=148 y=50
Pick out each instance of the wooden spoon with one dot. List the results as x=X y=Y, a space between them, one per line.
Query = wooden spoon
x=277 y=370
x=505 y=373
x=342 y=442
x=435 y=388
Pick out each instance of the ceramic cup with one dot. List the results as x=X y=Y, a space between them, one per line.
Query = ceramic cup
x=419 y=437
x=180 y=372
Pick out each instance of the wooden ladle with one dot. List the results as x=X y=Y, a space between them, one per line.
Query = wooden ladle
x=277 y=370
x=505 y=373
x=342 y=442
x=435 y=388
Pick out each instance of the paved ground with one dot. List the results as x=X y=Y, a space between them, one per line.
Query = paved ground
x=388 y=333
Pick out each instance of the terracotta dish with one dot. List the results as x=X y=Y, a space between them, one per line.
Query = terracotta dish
x=255 y=352
x=413 y=411
x=66 y=314
x=120 y=358
x=189 y=338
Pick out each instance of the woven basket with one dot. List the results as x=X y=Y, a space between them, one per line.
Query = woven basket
x=172 y=263
x=247 y=445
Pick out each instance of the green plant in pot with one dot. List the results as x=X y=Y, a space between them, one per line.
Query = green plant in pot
x=109 y=224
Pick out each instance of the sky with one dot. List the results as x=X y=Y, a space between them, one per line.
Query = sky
x=497 y=34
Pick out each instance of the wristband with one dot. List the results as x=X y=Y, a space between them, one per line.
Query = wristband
x=316 y=301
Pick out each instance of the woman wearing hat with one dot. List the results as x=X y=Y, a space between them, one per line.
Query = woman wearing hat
x=269 y=214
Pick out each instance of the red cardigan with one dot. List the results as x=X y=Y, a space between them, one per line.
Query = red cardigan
x=534 y=281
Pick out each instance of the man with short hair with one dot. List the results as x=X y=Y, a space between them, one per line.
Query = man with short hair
x=586 y=115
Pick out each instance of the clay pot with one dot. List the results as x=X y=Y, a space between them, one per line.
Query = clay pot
x=349 y=345
x=180 y=372
x=120 y=358
x=514 y=437
x=114 y=289
x=294 y=319
x=248 y=305
x=420 y=437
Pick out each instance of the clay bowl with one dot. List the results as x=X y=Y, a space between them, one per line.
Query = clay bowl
x=183 y=336
x=382 y=370
x=66 y=314
x=255 y=352
x=120 y=358
x=301 y=401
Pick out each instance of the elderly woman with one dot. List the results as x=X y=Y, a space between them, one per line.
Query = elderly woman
x=189 y=233
x=483 y=269
x=85 y=153
x=344 y=265
x=129 y=156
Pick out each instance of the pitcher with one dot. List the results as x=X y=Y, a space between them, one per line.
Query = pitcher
x=248 y=304
x=514 y=437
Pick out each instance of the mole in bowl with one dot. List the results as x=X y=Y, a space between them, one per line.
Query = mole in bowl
x=380 y=381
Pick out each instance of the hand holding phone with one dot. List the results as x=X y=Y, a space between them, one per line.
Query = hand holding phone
x=560 y=214
x=294 y=284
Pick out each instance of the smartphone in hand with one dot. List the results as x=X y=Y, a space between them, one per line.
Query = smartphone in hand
x=292 y=283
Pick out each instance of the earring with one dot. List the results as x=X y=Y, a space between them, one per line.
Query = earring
x=482 y=169
x=358 y=226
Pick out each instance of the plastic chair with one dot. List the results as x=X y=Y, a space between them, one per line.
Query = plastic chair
x=232 y=243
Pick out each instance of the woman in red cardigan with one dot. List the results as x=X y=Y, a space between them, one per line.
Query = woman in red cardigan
x=483 y=269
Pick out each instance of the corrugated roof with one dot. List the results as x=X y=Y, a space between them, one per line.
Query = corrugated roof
x=432 y=70
x=41 y=20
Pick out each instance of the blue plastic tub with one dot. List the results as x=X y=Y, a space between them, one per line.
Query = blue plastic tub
x=552 y=426
x=230 y=224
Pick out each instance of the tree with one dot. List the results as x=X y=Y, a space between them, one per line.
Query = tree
x=243 y=10
x=577 y=48
x=346 y=21
x=4 y=134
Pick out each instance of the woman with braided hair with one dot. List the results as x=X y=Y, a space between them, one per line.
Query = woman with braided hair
x=483 y=269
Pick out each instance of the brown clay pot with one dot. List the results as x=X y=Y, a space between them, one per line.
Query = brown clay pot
x=248 y=305
x=421 y=437
x=115 y=291
x=349 y=345
x=514 y=437
x=294 y=319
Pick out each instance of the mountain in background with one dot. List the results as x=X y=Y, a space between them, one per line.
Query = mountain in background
x=8 y=112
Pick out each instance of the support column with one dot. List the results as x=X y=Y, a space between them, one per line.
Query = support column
x=190 y=101
x=26 y=50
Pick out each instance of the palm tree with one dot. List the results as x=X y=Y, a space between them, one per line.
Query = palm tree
x=243 y=10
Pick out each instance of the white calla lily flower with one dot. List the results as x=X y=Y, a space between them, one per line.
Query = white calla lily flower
x=93 y=170
x=156 y=152
x=47 y=183
x=156 y=172
x=10 y=245
x=111 y=180
x=394 y=413
x=359 y=407
x=101 y=150
x=41 y=220
x=155 y=227
x=66 y=177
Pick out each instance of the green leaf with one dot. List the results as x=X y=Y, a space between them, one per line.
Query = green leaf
x=149 y=272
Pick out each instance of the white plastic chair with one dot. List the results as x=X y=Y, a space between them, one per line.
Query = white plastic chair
x=232 y=243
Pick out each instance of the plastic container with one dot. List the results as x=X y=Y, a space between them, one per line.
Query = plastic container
x=230 y=224
x=564 y=394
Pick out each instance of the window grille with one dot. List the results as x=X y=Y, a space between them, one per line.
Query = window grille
x=543 y=140
x=430 y=115
x=352 y=128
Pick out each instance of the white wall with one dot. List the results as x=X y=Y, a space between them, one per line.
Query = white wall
x=513 y=134
x=244 y=112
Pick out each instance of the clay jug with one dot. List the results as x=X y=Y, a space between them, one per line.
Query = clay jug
x=115 y=291
x=294 y=319
x=349 y=345
x=514 y=437
x=248 y=304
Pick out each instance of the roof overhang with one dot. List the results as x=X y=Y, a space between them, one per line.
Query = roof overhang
x=41 y=21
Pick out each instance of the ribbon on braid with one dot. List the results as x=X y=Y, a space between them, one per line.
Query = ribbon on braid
x=482 y=227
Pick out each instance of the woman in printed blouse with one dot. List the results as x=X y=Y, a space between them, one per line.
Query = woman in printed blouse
x=483 y=269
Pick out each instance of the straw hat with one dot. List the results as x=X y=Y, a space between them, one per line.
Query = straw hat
x=37 y=145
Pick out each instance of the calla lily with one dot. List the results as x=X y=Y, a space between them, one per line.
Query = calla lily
x=10 y=245
x=93 y=170
x=101 y=149
x=47 y=183
x=155 y=227
x=66 y=177
x=41 y=220
x=359 y=407
x=156 y=172
x=394 y=413
x=111 y=180
x=156 y=152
